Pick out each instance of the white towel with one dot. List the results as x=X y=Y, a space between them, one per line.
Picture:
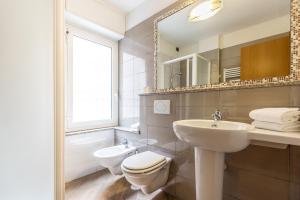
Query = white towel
x=284 y=127
x=276 y=115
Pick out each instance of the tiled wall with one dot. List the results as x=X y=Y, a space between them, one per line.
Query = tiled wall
x=256 y=173
x=132 y=82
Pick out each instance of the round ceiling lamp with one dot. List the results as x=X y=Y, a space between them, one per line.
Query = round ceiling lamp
x=205 y=9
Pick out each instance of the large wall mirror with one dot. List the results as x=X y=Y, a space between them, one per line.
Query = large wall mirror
x=213 y=43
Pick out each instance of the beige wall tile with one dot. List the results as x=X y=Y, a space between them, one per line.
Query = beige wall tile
x=237 y=113
x=160 y=120
x=259 y=97
x=165 y=137
x=199 y=99
x=201 y=112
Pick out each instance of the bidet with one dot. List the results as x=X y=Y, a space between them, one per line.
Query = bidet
x=112 y=157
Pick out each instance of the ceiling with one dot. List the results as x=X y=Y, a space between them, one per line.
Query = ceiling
x=125 y=6
x=235 y=15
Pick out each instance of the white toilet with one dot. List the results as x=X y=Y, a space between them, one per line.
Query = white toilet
x=148 y=170
x=112 y=157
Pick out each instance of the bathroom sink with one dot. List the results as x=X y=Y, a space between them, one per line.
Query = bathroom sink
x=222 y=136
x=211 y=139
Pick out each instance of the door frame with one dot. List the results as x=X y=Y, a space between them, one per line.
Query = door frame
x=59 y=113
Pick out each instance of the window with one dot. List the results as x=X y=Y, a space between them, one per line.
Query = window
x=91 y=82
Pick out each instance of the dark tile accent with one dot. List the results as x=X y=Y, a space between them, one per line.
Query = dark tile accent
x=243 y=184
x=229 y=197
x=262 y=160
x=185 y=189
x=294 y=191
x=295 y=164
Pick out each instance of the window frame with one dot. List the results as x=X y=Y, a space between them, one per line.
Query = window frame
x=96 y=124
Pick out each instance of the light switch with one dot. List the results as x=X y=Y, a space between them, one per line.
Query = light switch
x=162 y=107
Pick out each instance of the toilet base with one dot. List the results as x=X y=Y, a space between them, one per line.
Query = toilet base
x=156 y=183
x=152 y=184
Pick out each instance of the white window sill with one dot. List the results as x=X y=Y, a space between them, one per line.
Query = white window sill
x=87 y=131
x=127 y=129
x=120 y=128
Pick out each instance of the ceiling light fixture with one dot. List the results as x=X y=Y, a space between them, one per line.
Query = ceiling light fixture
x=205 y=10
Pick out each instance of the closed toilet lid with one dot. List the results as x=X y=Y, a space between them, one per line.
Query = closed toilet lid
x=143 y=171
x=142 y=161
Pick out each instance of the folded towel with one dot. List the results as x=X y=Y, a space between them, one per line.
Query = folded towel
x=276 y=115
x=284 y=127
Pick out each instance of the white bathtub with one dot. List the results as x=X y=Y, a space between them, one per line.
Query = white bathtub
x=79 y=149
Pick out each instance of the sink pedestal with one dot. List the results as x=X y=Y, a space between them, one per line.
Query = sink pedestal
x=209 y=170
x=226 y=137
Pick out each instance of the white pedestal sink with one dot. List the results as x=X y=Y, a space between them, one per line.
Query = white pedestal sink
x=211 y=142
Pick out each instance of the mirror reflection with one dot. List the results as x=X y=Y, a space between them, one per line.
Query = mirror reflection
x=226 y=41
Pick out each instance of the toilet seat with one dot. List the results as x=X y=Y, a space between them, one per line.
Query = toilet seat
x=143 y=162
x=148 y=170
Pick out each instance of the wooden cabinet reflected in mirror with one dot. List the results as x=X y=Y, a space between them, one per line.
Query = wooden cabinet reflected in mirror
x=266 y=59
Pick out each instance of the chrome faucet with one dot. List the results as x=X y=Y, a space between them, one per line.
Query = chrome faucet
x=125 y=142
x=217 y=116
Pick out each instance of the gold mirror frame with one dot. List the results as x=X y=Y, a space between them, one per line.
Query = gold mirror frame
x=292 y=79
